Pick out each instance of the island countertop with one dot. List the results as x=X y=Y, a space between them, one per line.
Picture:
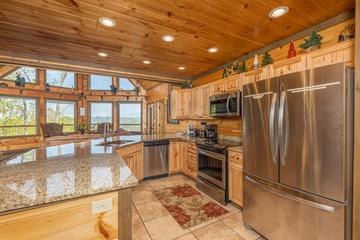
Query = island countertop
x=51 y=174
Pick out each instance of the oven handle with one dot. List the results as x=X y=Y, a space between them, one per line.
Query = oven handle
x=212 y=154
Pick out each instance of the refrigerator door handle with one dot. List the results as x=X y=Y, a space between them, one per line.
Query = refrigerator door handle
x=283 y=137
x=320 y=206
x=274 y=146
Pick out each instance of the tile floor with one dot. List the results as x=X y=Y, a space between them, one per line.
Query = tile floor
x=151 y=221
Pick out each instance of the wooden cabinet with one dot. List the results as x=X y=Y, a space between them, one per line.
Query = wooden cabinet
x=181 y=104
x=200 y=101
x=342 y=52
x=67 y=220
x=175 y=163
x=217 y=87
x=233 y=83
x=256 y=75
x=133 y=157
x=296 y=64
x=191 y=161
x=236 y=177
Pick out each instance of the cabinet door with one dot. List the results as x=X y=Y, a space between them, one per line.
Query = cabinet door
x=183 y=156
x=236 y=183
x=196 y=102
x=296 y=64
x=174 y=109
x=232 y=83
x=192 y=160
x=140 y=165
x=205 y=110
x=184 y=104
x=174 y=157
x=218 y=87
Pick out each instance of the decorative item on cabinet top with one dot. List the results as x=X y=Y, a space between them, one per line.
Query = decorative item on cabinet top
x=348 y=33
x=311 y=43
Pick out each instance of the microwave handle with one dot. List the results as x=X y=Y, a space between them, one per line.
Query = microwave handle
x=227 y=104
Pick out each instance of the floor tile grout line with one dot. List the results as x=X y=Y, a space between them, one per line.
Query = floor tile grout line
x=143 y=223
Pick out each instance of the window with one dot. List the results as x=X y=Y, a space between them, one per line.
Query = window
x=61 y=112
x=29 y=73
x=100 y=113
x=126 y=85
x=18 y=116
x=60 y=78
x=130 y=116
x=98 y=82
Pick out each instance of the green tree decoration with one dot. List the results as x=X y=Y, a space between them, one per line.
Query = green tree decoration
x=314 y=41
x=267 y=59
x=225 y=73
x=20 y=81
x=243 y=68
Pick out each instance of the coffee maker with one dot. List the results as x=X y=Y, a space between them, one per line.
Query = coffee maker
x=211 y=131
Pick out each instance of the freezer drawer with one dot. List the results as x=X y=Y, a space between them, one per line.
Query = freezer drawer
x=278 y=213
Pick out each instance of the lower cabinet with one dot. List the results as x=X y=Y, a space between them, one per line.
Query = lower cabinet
x=183 y=158
x=236 y=177
x=133 y=157
x=67 y=220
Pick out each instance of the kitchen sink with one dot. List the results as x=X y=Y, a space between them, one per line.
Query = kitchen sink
x=117 y=142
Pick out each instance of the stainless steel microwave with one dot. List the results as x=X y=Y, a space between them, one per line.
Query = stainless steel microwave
x=226 y=105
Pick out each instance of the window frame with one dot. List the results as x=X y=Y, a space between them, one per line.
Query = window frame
x=37 y=125
x=32 y=83
x=45 y=78
x=65 y=101
x=101 y=90
x=90 y=114
x=118 y=82
x=141 y=114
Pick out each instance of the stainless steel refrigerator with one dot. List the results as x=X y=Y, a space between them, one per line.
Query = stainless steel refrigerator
x=298 y=144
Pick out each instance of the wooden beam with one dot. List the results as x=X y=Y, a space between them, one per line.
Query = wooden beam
x=78 y=67
x=356 y=187
x=331 y=22
x=6 y=70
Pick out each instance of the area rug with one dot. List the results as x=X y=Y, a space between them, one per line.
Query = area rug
x=188 y=206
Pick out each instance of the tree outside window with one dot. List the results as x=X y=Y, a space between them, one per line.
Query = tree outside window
x=61 y=112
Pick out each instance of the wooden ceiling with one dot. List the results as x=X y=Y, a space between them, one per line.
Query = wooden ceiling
x=68 y=31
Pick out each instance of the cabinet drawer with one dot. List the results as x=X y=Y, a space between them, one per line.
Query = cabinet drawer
x=236 y=157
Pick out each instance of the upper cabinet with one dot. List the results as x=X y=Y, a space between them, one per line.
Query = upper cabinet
x=341 y=52
x=233 y=83
x=287 y=66
x=217 y=87
x=201 y=102
x=181 y=104
x=256 y=75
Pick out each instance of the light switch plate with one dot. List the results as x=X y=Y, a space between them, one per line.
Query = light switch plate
x=101 y=206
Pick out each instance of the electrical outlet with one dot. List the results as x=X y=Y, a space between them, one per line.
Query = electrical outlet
x=101 y=206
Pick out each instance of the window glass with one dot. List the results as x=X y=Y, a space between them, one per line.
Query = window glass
x=29 y=73
x=100 y=113
x=61 y=112
x=60 y=78
x=99 y=82
x=126 y=85
x=18 y=116
x=130 y=116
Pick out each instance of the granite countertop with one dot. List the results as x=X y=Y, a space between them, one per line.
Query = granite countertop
x=51 y=174
x=55 y=173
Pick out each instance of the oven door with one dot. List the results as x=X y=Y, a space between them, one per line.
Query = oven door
x=212 y=167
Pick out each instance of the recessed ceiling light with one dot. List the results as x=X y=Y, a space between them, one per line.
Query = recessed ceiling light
x=168 y=38
x=107 y=22
x=213 y=50
x=146 y=62
x=102 y=54
x=278 y=12
x=181 y=68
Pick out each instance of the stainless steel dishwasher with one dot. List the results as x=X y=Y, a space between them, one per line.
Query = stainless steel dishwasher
x=156 y=160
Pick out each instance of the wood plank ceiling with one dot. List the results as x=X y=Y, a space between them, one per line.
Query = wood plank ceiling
x=68 y=30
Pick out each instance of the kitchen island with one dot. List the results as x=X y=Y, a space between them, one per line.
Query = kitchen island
x=82 y=190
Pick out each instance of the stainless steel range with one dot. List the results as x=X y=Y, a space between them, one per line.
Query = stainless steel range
x=212 y=168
